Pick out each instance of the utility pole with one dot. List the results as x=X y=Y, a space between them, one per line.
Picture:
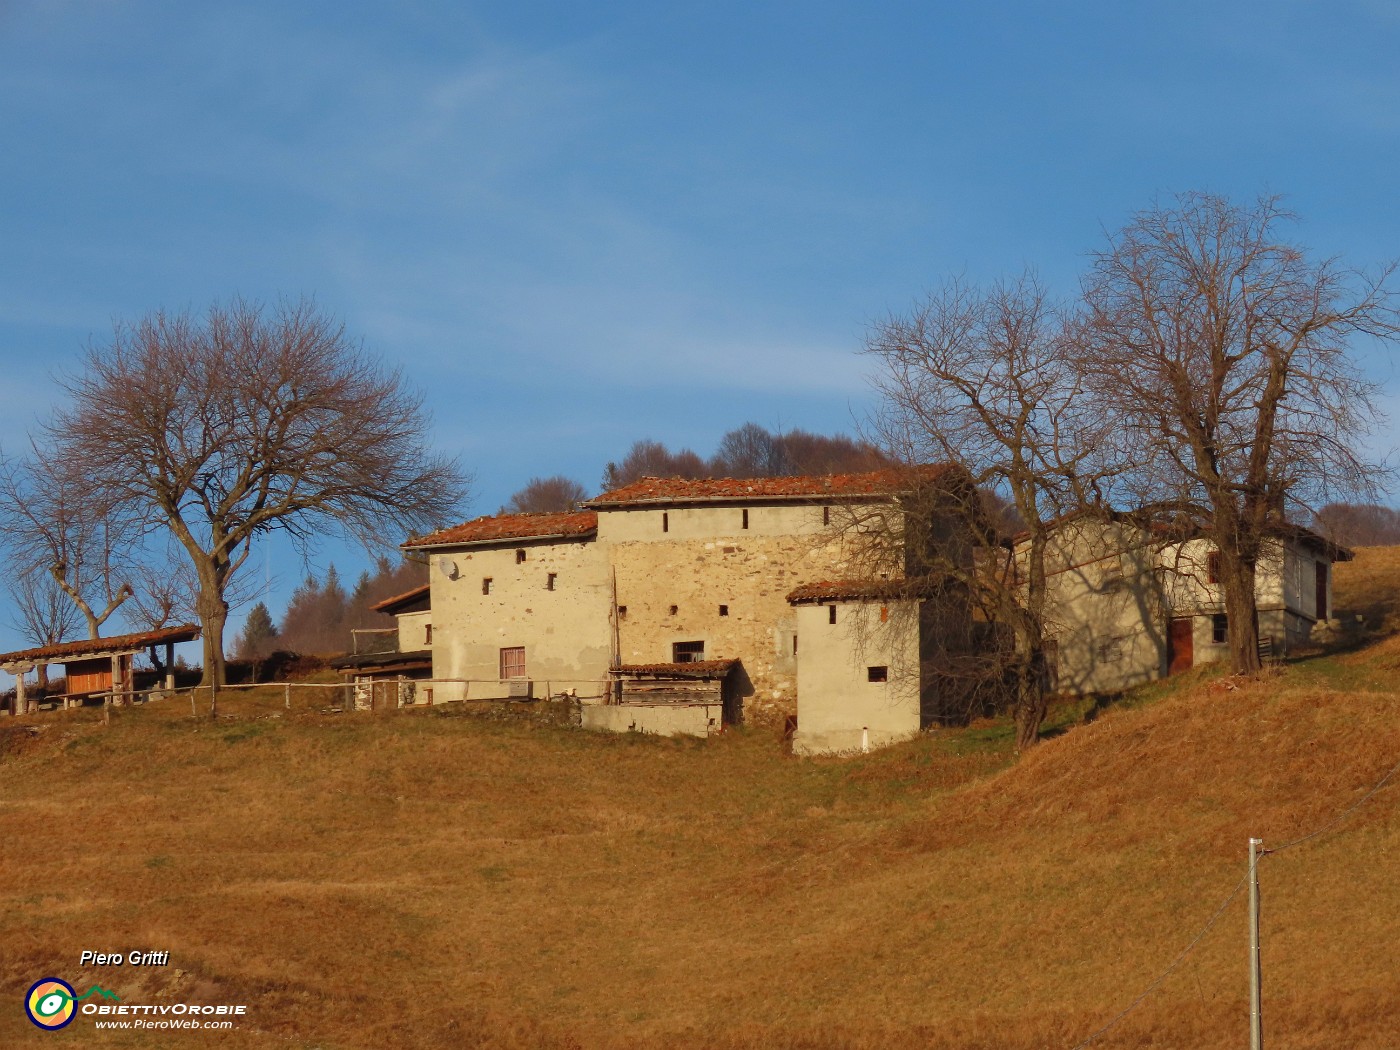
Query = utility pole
x=1256 y=1020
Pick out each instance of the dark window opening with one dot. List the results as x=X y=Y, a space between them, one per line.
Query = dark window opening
x=622 y=612
x=519 y=556
x=687 y=652
x=427 y=634
x=794 y=645
x=831 y=614
x=675 y=609
x=877 y=674
x=1213 y=567
x=1220 y=628
x=549 y=581
x=486 y=585
x=1320 y=590
x=724 y=610
x=665 y=521
x=746 y=519
x=826 y=515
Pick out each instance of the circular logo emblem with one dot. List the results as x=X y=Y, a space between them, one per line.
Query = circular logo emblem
x=49 y=1003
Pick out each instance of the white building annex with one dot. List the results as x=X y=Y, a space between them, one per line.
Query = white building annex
x=1125 y=607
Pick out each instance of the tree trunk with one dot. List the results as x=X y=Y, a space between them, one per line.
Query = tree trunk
x=41 y=683
x=1031 y=701
x=1242 y=614
x=1031 y=680
x=213 y=615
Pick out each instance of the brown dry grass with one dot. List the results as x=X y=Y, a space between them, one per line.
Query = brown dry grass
x=445 y=879
x=1366 y=586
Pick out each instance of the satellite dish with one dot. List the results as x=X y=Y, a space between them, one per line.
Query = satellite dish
x=449 y=568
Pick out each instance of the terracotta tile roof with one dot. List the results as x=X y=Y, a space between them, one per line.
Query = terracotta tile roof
x=856 y=590
x=511 y=527
x=704 y=490
x=388 y=604
x=691 y=669
x=121 y=643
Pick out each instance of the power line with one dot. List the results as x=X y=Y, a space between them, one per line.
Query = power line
x=1174 y=964
x=1331 y=825
x=1341 y=817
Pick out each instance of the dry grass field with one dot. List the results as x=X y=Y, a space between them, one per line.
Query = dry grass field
x=444 y=878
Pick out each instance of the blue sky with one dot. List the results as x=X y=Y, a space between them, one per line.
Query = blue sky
x=576 y=225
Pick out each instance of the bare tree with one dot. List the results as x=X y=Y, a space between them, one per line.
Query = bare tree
x=244 y=421
x=44 y=614
x=987 y=380
x=653 y=459
x=54 y=521
x=543 y=495
x=1359 y=524
x=807 y=453
x=1226 y=351
x=750 y=451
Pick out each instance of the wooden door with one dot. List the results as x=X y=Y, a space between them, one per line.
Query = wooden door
x=1181 y=643
x=1321 y=591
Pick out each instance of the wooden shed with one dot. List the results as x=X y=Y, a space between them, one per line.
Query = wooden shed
x=704 y=683
x=95 y=666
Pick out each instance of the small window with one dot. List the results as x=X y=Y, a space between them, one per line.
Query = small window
x=675 y=609
x=1220 y=628
x=724 y=610
x=513 y=662
x=826 y=515
x=884 y=614
x=549 y=581
x=519 y=556
x=486 y=585
x=746 y=519
x=665 y=521
x=622 y=612
x=427 y=634
x=1213 y=567
x=687 y=652
x=877 y=674
x=831 y=614
x=794 y=645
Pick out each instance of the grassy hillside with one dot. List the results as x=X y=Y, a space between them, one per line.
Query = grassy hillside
x=439 y=878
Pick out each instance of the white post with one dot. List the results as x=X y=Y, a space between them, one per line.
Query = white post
x=287 y=700
x=864 y=738
x=1256 y=1020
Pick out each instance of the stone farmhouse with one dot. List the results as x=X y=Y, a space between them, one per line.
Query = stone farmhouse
x=680 y=606
x=674 y=605
x=1126 y=607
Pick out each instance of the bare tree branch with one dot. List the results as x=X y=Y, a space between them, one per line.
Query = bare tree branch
x=245 y=421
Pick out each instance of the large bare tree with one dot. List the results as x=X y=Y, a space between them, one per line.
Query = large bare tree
x=247 y=420
x=1226 y=351
x=988 y=380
